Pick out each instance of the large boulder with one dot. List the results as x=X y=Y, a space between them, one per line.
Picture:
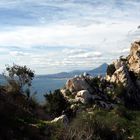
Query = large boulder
x=83 y=96
x=63 y=119
x=78 y=84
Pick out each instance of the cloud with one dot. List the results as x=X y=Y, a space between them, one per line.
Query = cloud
x=2 y=49
x=73 y=51
x=18 y=53
x=86 y=55
x=64 y=35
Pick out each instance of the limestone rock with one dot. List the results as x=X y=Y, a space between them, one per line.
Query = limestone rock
x=83 y=96
x=125 y=65
x=105 y=105
x=118 y=64
x=134 y=57
x=127 y=73
x=63 y=119
x=121 y=75
x=77 y=84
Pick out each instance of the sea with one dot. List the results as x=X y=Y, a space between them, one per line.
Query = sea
x=43 y=85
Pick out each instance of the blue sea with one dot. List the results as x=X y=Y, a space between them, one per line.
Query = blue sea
x=43 y=85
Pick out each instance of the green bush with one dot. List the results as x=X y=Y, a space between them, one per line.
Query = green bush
x=110 y=69
x=55 y=103
x=101 y=125
x=18 y=78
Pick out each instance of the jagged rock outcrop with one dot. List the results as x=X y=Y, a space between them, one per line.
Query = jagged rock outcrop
x=83 y=96
x=63 y=119
x=78 y=83
x=123 y=75
x=86 y=89
x=127 y=74
x=134 y=58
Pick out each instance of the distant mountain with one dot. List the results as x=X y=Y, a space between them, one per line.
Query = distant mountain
x=101 y=70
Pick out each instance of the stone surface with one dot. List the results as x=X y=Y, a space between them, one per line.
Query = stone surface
x=63 y=119
x=77 y=84
x=127 y=74
x=84 y=96
x=125 y=65
x=134 y=57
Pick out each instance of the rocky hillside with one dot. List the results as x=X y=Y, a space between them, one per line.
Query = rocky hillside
x=87 y=108
x=125 y=72
x=121 y=84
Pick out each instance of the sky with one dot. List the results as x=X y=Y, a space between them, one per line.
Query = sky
x=52 y=36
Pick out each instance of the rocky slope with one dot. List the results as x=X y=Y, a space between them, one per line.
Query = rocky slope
x=126 y=73
x=121 y=84
x=94 y=97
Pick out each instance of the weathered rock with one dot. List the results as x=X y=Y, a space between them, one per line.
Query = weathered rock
x=126 y=74
x=121 y=75
x=84 y=96
x=118 y=64
x=63 y=91
x=105 y=105
x=134 y=58
x=77 y=84
x=63 y=119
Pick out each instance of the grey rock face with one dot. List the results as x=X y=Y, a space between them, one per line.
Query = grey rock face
x=77 y=84
x=126 y=74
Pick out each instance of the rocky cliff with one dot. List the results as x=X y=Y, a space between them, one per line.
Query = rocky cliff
x=126 y=73
x=121 y=84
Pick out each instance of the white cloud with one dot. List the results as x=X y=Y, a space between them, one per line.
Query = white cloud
x=92 y=32
x=64 y=35
x=73 y=51
x=94 y=45
x=18 y=53
x=86 y=55
x=3 y=49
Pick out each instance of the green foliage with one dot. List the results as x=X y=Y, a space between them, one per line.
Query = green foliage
x=55 y=103
x=99 y=125
x=69 y=94
x=19 y=76
x=95 y=82
x=110 y=69
x=119 y=92
x=53 y=131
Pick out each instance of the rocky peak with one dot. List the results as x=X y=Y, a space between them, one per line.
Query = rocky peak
x=126 y=72
x=123 y=66
x=122 y=78
x=134 y=57
x=78 y=83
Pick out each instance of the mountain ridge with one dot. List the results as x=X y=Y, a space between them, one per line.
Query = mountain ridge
x=101 y=70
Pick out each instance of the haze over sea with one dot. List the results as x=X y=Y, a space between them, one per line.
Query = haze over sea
x=43 y=85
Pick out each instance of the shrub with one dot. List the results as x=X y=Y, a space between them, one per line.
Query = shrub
x=55 y=103
x=110 y=69
x=19 y=77
x=95 y=82
x=100 y=125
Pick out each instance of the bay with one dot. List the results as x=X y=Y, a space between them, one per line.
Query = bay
x=43 y=85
